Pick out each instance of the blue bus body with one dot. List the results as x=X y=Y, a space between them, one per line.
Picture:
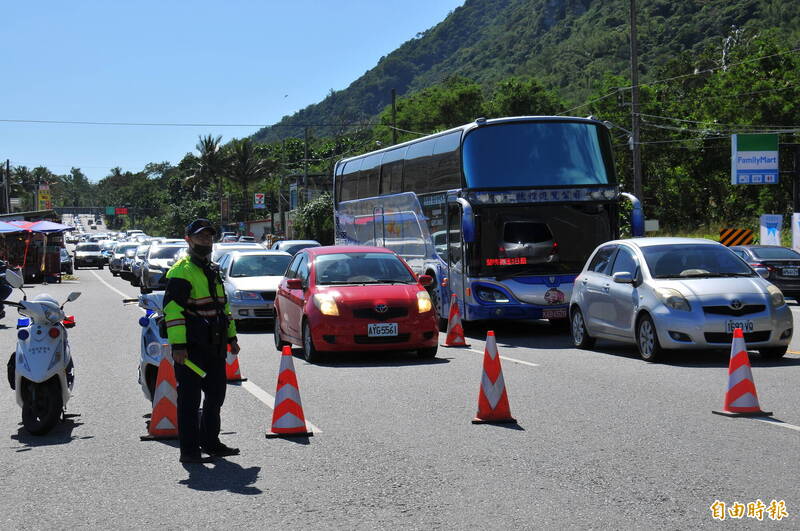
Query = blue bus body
x=503 y=213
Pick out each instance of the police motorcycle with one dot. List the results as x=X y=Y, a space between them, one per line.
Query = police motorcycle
x=41 y=369
x=153 y=344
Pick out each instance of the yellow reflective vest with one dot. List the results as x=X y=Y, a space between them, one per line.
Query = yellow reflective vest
x=188 y=301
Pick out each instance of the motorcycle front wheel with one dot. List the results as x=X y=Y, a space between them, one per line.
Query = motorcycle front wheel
x=42 y=405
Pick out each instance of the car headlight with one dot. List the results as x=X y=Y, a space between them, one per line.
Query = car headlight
x=246 y=295
x=326 y=304
x=673 y=299
x=775 y=296
x=424 y=303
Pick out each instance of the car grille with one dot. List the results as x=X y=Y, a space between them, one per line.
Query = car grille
x=263 y=312
x=727 y=310
x=750 y=337
x=366 y=340
x=268 y=295
x=370 y=313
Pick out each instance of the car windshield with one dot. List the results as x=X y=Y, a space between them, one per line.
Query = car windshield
x=260 y=265
x=164 y=252
x=775 y=253
x=87 y=247
x=693 y=260
x=361 y=268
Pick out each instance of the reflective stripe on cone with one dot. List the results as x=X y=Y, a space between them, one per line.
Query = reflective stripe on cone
x=741 y=399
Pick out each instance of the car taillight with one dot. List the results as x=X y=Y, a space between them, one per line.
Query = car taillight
x=765 y=266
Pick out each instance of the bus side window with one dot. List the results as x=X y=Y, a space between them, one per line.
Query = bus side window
x=368 y=177
x=416 y=170
x=349 y=187
x=445 y=171
x=392 y=171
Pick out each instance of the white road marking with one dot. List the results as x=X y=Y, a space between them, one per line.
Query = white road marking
x=778 y=423
x=251 y=388
x=269 y=401
x=512 y=360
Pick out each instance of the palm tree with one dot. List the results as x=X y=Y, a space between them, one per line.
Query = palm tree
x=246 y=166
x=210 y=165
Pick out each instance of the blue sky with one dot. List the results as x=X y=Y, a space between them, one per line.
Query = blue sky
x=169 y=61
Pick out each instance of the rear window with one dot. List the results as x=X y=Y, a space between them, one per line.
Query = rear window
x=775 y=253
x=361 y=268
x=293 y=249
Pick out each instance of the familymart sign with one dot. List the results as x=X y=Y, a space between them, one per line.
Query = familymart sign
x=754 y=159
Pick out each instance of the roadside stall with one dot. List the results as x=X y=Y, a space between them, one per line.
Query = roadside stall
x=34 y=248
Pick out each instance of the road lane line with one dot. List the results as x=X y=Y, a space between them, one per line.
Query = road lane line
x=512 y=360
x=269 y=401
x=251 y=388
x=778 y=423
x=109 y=286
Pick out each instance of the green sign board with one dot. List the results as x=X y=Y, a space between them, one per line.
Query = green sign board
x=109 y=211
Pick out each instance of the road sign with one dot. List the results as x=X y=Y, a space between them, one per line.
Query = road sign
x=771 y=229
x=754 y=159
x=121 y=211
x=733 y=236
x=259 y=200
x=110 y=211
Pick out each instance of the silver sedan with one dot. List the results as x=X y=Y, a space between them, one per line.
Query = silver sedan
x=676 y=293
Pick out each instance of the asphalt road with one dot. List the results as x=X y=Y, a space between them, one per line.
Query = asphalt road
x=604 y=440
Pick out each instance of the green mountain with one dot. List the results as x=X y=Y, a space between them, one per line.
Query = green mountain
x=567 y=45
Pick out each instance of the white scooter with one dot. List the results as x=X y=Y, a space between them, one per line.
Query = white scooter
x=153 y=346
x=43 y=369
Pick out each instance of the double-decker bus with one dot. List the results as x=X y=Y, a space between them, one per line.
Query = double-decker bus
x=503 y=213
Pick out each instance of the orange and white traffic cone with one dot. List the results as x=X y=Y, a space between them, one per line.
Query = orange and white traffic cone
x=455 y=331
x=287 y=417
x=232 y=372
x=164 y=420
x=741 y=399
x=492 y=399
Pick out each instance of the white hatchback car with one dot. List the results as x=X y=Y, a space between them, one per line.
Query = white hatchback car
x=676 y=293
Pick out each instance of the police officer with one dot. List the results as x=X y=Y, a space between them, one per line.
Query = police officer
x=199 y=327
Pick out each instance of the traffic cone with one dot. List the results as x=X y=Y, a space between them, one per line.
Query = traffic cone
x=492 y=399
x=455 y=332
x=164 y=420
x=741 y=399
x=287 y=417
x=232 y=372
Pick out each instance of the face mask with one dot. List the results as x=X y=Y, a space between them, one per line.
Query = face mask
x=201 y=250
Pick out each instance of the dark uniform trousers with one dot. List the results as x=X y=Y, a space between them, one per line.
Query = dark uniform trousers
x=202 y=432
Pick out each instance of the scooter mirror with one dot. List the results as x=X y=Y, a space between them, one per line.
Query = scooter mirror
x=74 y=295
x=13 y=279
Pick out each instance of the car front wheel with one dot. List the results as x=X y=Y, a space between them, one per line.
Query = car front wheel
x=309 y=350
x=580 y=336
x=647 y=340
x=279 y=343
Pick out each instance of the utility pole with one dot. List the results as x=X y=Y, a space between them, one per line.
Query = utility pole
x=305 y=168
x=637 y=155
x=394 y=117
x=7 y=187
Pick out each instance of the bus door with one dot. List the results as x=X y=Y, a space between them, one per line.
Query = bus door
x=456 y=269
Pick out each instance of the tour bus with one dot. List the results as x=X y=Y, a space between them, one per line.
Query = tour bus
x=502 y=213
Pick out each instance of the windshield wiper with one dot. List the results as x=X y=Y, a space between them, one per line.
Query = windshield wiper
x=392 y=281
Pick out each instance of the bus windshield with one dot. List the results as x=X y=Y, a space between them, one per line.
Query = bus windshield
x=541 y=153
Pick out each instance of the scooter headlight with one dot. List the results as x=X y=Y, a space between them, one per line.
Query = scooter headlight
x=144 y=321
x=23 y=334
x=154 y=350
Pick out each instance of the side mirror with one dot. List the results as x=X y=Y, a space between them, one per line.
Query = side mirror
x=294 y=283
x=74 y=295
x=426 y=280
x=623 y=277
x=13 y=279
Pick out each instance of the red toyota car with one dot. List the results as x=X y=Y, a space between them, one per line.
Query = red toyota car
x=354 y=298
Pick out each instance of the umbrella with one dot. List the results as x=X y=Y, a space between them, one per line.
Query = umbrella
x=48 y=226
x=8 y=227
